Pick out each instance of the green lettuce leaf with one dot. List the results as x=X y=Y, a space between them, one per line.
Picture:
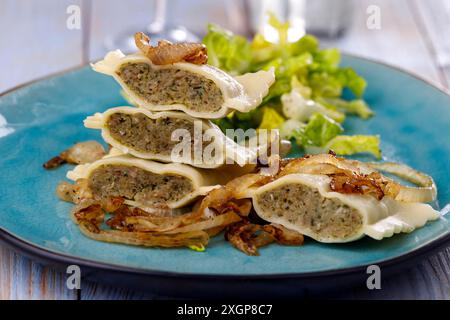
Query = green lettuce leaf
x=348 y=145
x=271 y=119
x=227 y=51
x=262 y=51
x=280 y=87
x=296 y=106
x=314 y=73
x=350 y=79
x=319 y=130
x=324 y=84
x=326 y=60
x=304 y=90
x=307 y=43
x=358 y=107
x=199 y=248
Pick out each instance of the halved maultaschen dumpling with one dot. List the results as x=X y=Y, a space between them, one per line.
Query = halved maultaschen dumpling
x=145 y=183
x=163 y=136
x=201 y=91
x=331 y=199
x=305 y=203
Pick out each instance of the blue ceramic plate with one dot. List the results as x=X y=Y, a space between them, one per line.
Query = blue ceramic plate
x=39 y=120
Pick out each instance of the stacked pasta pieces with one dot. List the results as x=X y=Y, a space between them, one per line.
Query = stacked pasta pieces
x=160 y=191
x=150 y=177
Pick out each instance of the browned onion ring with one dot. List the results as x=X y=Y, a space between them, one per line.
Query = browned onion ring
x=167 y=53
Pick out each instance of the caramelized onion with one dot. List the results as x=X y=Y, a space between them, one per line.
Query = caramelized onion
x=424 y=192
x=167 y=53
x=80 y=153
x=228 y=206
x=240 y=234
x=351 y=176
x=90 y=216
x=283 y=235
x=248 y=237
x=351 y=182
x=75 y=193
x=220 y=220
x=146 y=239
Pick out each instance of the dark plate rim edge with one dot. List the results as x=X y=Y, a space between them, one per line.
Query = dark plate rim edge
x=31 y=249
x=35 y=250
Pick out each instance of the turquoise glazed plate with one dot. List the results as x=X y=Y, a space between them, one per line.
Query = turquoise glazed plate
x=39 y=120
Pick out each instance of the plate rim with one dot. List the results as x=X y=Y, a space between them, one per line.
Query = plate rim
x=32 y=249
x=35 y=250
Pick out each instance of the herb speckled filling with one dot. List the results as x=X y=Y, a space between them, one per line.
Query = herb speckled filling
x=172 y=86
x=144 y=134
x=134 y=183
x=306 y=207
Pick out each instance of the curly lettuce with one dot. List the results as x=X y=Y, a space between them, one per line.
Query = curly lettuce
x=227 y=51
x=348 y=145
x=322 y=134
x=306 y=102
x=319 y=130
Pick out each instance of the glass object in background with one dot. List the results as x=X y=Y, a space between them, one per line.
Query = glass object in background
x=259 y=19
x=436 y=21
x=296 y=16
x=197 y=14
x=157 y=30
x=327 y=18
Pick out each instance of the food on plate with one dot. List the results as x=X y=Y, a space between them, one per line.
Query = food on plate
x=157 y=225
x=143 y=193
x=309 y=81
x=166 y=52
x=324 y=197
x=305 y=203
x=331 y=199
x=145 y=182
x=201 y=91
x=191 y=226
x=134 y=226
x=147 y=135
x=248 y=237
x=82 y=152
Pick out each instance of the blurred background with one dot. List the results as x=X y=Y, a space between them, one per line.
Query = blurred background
x=39 y=37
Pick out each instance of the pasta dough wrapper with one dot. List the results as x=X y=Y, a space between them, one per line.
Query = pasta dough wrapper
x=305 y=203
x=201 y=181
x=242 y=93
x=216 y=150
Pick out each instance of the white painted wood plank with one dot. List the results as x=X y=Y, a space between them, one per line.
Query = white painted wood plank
x=398 y=42
x=429 y=280
x=434 y=17
x=35 y=41
x=23 y=279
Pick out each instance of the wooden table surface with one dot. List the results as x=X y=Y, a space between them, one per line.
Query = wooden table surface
x=35 y=42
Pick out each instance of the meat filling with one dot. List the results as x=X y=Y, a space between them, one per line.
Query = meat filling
x=172 y=86
x=134 y=183
x=306 y=207
x=144 y=134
